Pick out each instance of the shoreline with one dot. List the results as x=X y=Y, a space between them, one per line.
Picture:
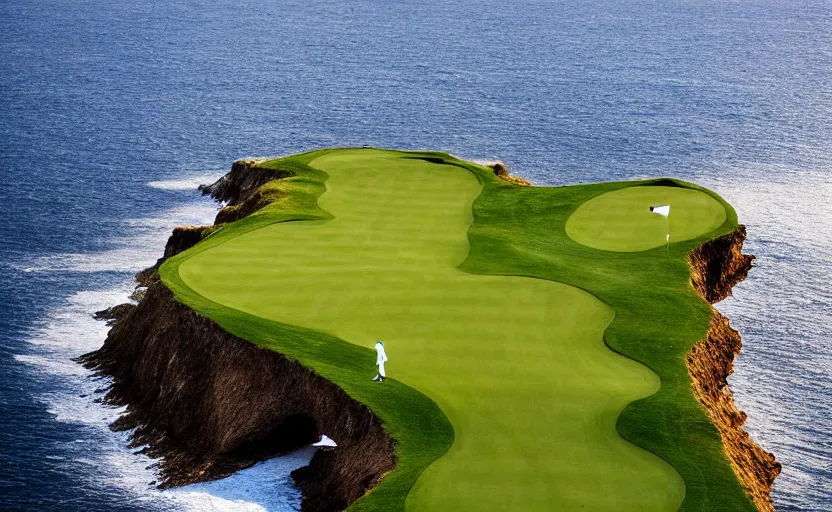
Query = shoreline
x=146 y=338
x=716 y=267
x=239 y=206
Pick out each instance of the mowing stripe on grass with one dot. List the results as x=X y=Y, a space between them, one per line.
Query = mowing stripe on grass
x=518 y=365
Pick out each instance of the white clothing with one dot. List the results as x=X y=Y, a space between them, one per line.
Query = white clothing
x=381 y=358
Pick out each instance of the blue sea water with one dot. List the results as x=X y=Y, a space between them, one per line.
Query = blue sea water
x=111 y=112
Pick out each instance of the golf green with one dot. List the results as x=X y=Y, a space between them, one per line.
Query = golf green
x=622 y=221
x=542 y=352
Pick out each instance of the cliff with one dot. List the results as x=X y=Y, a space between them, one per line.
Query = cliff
x=716 y=266
x=240 y=189
x=207 y=404
x=182 y=238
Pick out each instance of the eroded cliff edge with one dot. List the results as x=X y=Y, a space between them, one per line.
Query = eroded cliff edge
x=716 y=266
x=207 y=404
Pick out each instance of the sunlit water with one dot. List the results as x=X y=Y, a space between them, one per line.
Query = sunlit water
x=111 y=112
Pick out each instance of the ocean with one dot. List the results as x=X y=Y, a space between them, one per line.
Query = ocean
x=112 y=112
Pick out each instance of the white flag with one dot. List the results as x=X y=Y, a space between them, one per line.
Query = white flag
x=663 y=210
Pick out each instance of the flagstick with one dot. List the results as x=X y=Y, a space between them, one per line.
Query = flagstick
x=667 y=238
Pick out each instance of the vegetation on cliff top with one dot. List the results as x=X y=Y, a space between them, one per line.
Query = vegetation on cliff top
x=495 y=306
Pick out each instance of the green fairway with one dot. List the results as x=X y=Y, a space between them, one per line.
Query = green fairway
x=622 y=221
x=492 y=312
x=518 y=365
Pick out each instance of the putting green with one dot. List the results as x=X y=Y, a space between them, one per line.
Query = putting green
x=518 y=365
x=621 y=220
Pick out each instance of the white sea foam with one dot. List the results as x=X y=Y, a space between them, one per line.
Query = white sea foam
x=481 y=161
x=187 y=182
x=243 y=491
x=71 y=393
x=140 y=250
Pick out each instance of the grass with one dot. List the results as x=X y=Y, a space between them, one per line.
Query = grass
x=621 y=220
x=498 y=326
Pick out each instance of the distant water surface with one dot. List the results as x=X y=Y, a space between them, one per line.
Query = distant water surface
x=110 y=112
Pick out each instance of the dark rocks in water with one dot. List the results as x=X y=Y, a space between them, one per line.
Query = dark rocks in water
x=113 y=314
x=137 y=294
x=208 y=404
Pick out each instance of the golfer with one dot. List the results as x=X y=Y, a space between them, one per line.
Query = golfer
x=380 y=360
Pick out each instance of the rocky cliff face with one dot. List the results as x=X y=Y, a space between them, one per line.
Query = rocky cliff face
x=716 y=266
x=207 y=404
x=182 y=239
x=240 y=189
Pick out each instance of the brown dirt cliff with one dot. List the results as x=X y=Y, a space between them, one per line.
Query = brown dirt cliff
x=716 y=266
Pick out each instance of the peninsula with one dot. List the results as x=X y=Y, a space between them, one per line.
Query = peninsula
x=548 y=349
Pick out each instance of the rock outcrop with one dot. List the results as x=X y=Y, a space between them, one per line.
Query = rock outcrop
x=240 y=189
x=113 y=314
x=182 y=239
x=206 y=403
x=716 y=266
x=501 y=171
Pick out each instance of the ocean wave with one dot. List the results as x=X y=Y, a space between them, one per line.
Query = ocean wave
x=73 y=394
x=187 y=182
x=140 y=249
